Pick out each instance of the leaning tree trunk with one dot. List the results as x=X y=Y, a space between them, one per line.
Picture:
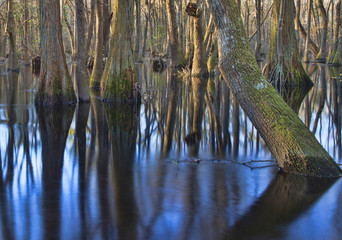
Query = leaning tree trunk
x=118 y=80
x=294 y=147
x=82 y=80
x=10 y=29
x=55 y=86
x=284 y=65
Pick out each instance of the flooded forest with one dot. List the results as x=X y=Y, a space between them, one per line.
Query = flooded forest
x=170 y=119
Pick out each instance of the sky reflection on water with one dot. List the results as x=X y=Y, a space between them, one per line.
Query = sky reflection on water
x=102 y=171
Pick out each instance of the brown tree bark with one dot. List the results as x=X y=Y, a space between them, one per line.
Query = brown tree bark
x=258 y=37
x=304 y=34
x=118 y=80
x=307 y=41
x=69 y=30
x=26 y=33
x=91 y=25
x=10 y=30
x=138 y=34
x=82 y=80
x=198 y=65
x=95 y=79
x=173 y=34
x=323 y=53
x=284 y=65
x=336 y=59
x=106 y=26
x=55 y=86
x=294 y=147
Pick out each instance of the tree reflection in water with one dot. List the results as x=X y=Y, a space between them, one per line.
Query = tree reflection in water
x=116 y=171
x=54 y=124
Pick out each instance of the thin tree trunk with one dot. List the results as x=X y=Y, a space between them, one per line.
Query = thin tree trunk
x=258 y=38
x=91 y=25
x=307 y=41
x=173 y=34
x=294 y=147
x=70 y=32
x=82 y=80
x=323 y=53
x=26 y=33
x=335 y=53
x=5 y=38
x=138 y=37
x=304 y=34
x=106 y=26
x=145 y=35
x=198 y=64
x=10 y=29
x=95 y=79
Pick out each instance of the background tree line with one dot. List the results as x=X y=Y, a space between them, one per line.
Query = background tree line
x=321 y=23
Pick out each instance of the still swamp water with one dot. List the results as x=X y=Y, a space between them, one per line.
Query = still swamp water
x=185 y=164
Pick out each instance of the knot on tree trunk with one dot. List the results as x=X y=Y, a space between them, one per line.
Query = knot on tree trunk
x=193 y=10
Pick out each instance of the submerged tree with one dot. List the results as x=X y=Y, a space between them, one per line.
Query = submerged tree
x=294 y=147
x=118 y=79
x=284 y=64
x=55 y=86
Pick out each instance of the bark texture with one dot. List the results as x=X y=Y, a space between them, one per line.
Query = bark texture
x=82 y=79
x=198 y=65
x=10 y=30
x=323 y=53
x=173 y=33
x=335 y=54
x=307 y=41
x=95 y=79
x=55 y=86
x=118 y=80
x=285 y=68
x=294 y=147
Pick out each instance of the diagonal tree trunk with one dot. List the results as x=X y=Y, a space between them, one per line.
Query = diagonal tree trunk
x=294 y=147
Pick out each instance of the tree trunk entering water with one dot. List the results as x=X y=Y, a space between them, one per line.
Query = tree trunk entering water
x=293 y=146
